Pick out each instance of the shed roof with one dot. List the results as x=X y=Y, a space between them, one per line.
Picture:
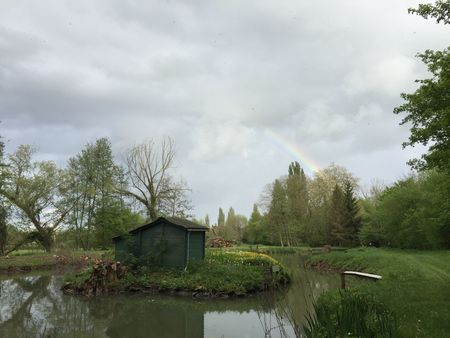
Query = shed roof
x=181 y=222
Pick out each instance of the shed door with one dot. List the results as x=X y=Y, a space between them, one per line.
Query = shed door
x=196 y=245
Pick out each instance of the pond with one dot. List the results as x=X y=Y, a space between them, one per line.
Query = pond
x=33 y=306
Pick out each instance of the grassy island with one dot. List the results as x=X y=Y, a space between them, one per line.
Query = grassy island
x=221 y=274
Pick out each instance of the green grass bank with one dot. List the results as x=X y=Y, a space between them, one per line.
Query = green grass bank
x=31 y=260
x=223 y=273
x=415 y=285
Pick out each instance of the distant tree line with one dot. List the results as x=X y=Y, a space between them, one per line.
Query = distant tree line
x=325 y=209
x=91 y=199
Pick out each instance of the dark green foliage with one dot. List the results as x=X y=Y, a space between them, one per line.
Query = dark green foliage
x=338 y=217
x=415 y=212
x=351 y=313
x=113 y=219
x=353 y=219
x=345 y=221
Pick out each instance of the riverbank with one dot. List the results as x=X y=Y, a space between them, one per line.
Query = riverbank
x=223 y=274
x=415 y=285
x=26 y=261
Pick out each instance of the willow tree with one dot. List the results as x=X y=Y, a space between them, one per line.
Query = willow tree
x=35 y=190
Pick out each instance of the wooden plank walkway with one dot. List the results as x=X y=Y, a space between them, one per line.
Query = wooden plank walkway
x=358 y=274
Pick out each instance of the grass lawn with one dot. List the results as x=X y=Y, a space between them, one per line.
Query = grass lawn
x=23 y=260
x=415 y=285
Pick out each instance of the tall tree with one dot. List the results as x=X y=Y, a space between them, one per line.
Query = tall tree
x=297 y=201
x=93 y=176
x=353 y=219
x=207 y=221
x=3 y=213
x=254 y=231
x=35 y=189
x=221 y=218
x=149 y=175
x=428 y=108
x=277 y=215
x=338 y=217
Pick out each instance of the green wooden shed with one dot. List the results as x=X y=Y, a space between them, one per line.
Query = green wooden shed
x=167 y=241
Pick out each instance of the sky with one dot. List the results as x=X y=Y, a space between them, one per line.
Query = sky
x=243 y=87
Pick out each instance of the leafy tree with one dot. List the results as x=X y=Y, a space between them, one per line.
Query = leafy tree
x=207 y=221
x=440 y=11
x=93 y=176
x=338 y=217
x=414 y=212
x=277 y=215
x=35 y=189
x=372 y=230
x=428 y=111
x=255 y=231
x=353 y=219
x=113 y=219
x=297 y=201
x=428 y=108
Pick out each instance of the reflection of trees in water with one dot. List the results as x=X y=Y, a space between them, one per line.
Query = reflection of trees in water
x=156 y=319
x=292 y=306
x=34 y=307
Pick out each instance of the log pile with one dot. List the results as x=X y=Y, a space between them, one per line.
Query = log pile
x=219 y=242
x=103 y=279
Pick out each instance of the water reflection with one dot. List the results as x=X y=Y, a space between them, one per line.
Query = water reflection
x=35 y=307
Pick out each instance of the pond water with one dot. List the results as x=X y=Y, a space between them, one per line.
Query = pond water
x=33 y=306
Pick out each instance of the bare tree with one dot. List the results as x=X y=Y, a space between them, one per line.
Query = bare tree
x=148 y=172
x=176 y=202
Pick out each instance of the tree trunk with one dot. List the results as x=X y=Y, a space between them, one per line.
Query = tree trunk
x=45 y=238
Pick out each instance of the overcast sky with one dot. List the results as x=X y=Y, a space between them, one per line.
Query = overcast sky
x=243 y=87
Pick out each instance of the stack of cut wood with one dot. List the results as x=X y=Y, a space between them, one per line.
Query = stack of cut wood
x=219 y=242
x=103 y=279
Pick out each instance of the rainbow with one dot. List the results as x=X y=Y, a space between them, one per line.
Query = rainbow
x=309 y=165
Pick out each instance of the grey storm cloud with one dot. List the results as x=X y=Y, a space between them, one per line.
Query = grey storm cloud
x=215 y=75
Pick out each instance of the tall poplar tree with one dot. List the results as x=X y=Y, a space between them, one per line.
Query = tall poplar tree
x=297 y=201
x=277 y=215
x=221 y=218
